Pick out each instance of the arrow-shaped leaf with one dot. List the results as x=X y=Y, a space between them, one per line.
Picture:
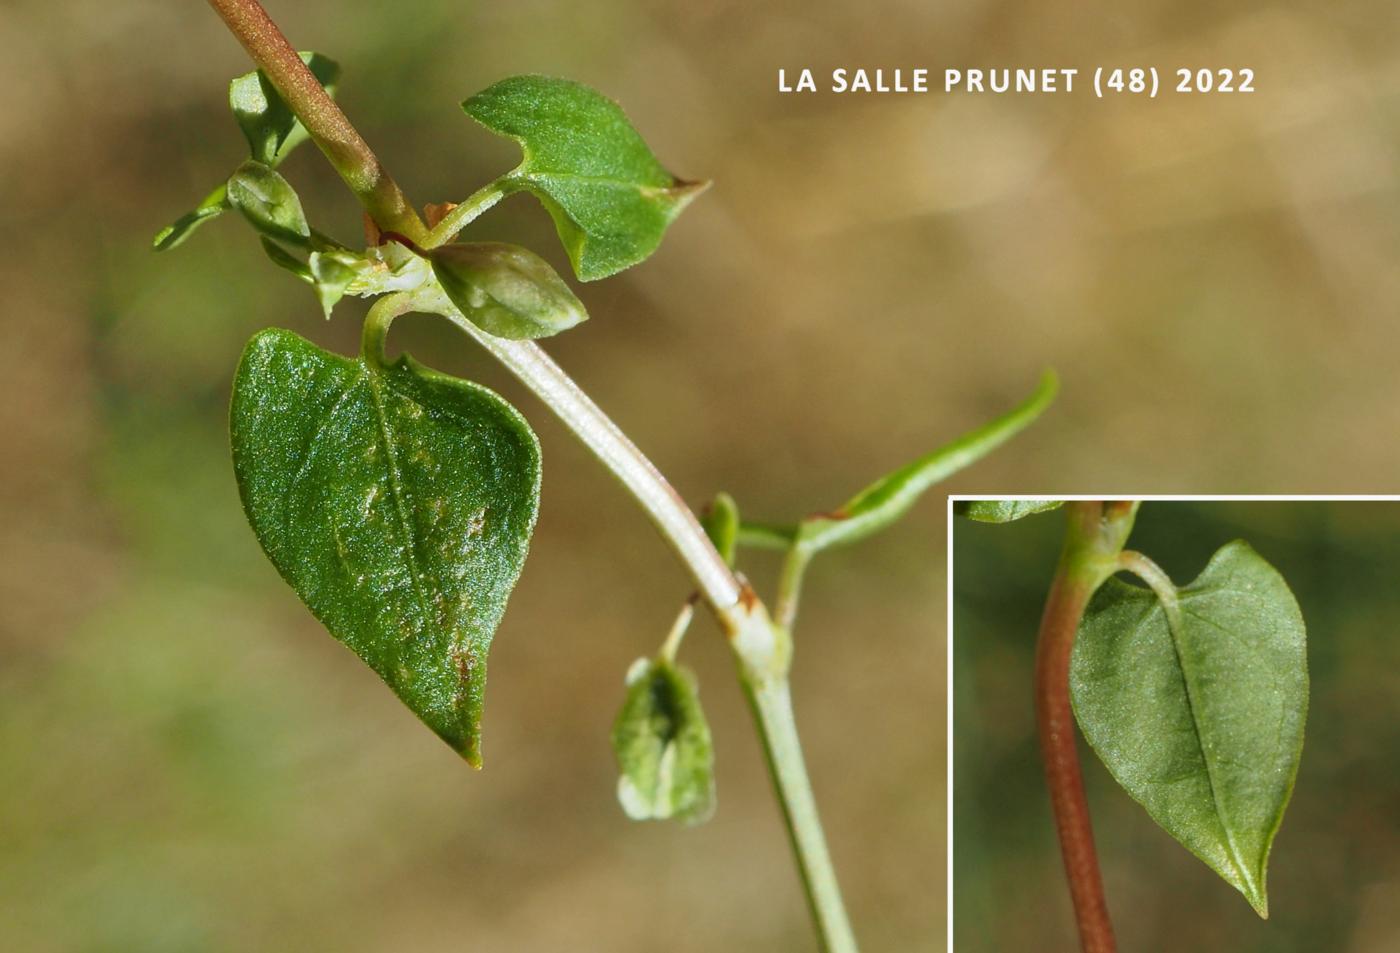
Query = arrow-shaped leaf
x=398 y=503
x=1198 y=712
x=611 y=200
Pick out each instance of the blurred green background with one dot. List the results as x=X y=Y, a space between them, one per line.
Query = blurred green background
x=1334 y=873
x=189 y=763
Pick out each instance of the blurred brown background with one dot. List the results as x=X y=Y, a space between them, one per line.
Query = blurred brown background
x=189 y=763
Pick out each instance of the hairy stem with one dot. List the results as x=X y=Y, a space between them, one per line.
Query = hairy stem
x=330 y=130
x=1095 y=537
x=762 y=649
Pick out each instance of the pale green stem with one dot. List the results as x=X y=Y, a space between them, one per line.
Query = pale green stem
x=463 y=215
x=790 y=585
x=672 y=645
x=762 y=648
x=772 y=706
x=668 y=512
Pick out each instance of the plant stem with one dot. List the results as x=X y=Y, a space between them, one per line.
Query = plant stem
x=465 y=213
x=790 y=584
x=668 y=512
x=762 y=649
x=772 y=707
x=1096 y=534
x=330 y=130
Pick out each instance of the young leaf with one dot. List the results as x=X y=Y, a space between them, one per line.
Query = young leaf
x=721 y=523
x=889 y=498
x=1003 y=511
x=271 y=130
x=1198 y=713
x=267 y=121
x=610 y=199
x=269 y=202
x=506 y=290
x=663 y=747
x=214 y=205
x=398 y=503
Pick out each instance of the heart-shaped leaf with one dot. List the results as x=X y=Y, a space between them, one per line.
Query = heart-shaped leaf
x=1198 y=710
x=506 y=290
x=663 y=747
x=611 y=200
x=398 y=503
x=1003 y=511
x=267 y=121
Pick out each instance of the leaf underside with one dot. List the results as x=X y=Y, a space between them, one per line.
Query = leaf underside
x=398 y=503
x=611 y=200
x=1204 y=726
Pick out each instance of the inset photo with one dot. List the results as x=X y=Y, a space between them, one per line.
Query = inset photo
x=1173 y=725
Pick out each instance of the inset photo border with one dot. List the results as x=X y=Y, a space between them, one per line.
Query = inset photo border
x=1223 y=673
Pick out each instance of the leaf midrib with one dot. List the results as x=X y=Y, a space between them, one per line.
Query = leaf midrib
x=1175 y=628
x=397 y=490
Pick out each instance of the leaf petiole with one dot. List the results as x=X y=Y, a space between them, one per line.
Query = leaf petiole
x=467 y=212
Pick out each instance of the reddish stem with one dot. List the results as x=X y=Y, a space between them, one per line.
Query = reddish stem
x=1069 y=595
x=330 y=130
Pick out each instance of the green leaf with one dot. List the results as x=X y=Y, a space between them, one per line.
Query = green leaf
x=214 y=205
x=269 y=202
x=663 y=747
x=611 y=200
x=1199 y=713
x=1003 y=511
x=271 y=130
x=721 y=523
x=398 y=502
x=267 y=121
x=506 y=290
x=890 y=497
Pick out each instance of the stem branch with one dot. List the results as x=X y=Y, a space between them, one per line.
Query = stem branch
x=462 y=215
x=330 y=130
